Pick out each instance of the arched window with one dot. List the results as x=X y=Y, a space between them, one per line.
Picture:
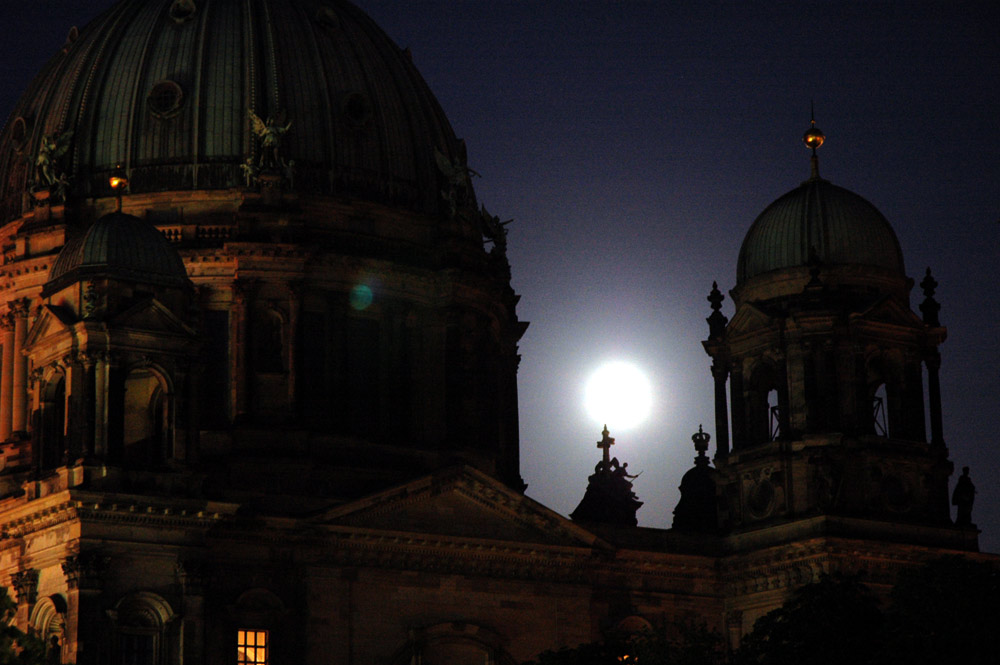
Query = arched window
x=763 y=403
x=774 y=419
x=880 y=404
x=142 y=627
x=146 y=430
x=268 y=342
x=260 y=617
x=52 y=417
x=454 y=643
x=48 y=621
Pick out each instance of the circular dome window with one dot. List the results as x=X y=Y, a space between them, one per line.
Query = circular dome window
x=327 y=17
x=18 y=134
x=182 y=11
x=165 y=99
x=357 y=110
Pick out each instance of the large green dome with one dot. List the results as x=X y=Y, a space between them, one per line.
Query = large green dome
x=166 y=87
x=841 y=227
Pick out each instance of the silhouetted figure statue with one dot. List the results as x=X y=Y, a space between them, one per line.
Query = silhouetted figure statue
x=963 y=497
x=609 y=497
x=54 y=655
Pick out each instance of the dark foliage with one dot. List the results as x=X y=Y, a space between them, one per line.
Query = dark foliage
x=681 y=643
x=16 y=646
x=945 y=612
x=834 y=621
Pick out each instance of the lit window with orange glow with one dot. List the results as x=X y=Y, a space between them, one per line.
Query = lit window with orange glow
x=251 y=647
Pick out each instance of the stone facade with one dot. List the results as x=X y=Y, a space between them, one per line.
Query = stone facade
x=261 y=407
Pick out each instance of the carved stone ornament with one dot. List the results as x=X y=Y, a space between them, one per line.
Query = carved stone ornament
x=25 y=584
x=85 y=570
x=494 y=231
x=269 y=135
x=50 y=176
x=763 y=492
x=454 y=182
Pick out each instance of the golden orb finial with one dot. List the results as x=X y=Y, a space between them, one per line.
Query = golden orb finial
x=118 y=179
x=814 y=137
x=118 y=182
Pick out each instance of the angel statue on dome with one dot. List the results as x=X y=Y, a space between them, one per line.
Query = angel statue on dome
x=269 y=133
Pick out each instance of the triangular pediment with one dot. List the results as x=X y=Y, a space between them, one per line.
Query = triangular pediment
x=51 y=320
x=460 y=502
x=747 y=318
x=151 y=315
x=889 y=310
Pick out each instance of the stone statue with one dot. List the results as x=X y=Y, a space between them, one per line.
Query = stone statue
x=54 y=655
x=963 y=497
x=270 y=134
x=456 y=177
x=50 y=154
x=249 y=172
x=494 y=230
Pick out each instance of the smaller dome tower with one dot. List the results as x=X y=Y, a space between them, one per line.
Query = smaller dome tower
x=113 y=344
x=825 y=364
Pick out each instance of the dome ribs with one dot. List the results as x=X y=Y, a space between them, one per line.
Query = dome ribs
x=197 y=92
x=329 y=139
x=844 y=229
x=364 y=124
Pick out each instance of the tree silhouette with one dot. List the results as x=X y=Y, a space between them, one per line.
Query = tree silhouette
x=947 y=611
x=833 y=621
x=16 y=646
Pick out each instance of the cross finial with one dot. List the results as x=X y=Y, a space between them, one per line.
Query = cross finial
x=605 y=444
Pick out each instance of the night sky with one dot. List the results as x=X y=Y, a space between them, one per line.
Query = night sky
x=633 y=143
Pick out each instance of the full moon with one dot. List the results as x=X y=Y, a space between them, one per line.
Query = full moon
x=619 y=395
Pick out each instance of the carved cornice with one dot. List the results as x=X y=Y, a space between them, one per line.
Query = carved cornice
x=43 y=517
x=800 y=562
x=420 y=552
x=140 y=513
x=130 y=513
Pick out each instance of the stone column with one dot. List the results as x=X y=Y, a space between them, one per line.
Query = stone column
x=737 y=400
x=25 y=583
x=19 y=394
x=934 y=399
x=100 y=447
x=720 y=373
x=75 y=441
x=294 y=306
x=6 y=374
x=734 y=628
x=240 y=346
x=88 y=644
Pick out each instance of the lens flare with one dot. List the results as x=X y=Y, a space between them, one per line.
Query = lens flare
x=619 y=395
x=361 y=297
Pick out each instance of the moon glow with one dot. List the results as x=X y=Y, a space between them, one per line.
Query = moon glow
x=619 y=395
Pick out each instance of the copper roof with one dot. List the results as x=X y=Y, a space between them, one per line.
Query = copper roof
x=119 y=246
x=840 y=226
x=167 y=92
